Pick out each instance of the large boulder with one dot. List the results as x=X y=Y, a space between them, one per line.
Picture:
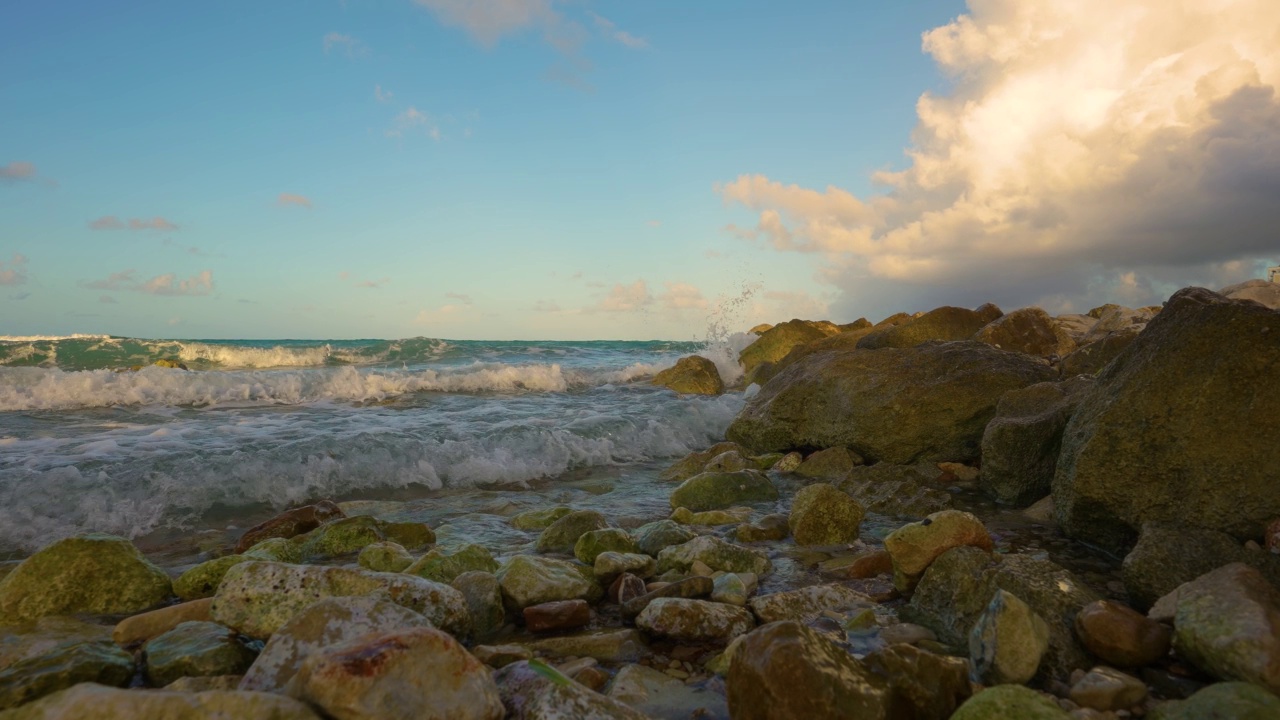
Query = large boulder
x=944 y=323
x=922 y=686
x=786 y=671
x=1228 y=700
x=409 y=673
x=561 y=535
x=694 y=621
x=844 y=340
x=1021 y=443
x=1029 y=330
x=90 y=700
x=485 y=604
x=532 y=580
x=96 y=574
x=323 y=624
x=1167 y=556
x=1227 y=623
x=715 y=490
x=774 y=343
x=899 y=405
x=1180 y=427
x=257 y=598
x=915 y=545
x=693 y=375
x=1010 y=702
x=1259 y=291
x=715 y=554
x=196 y=649
x=99 y=662
x=1091 y=357
x=1008 y=641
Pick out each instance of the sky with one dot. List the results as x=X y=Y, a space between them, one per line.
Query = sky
x=598 y=169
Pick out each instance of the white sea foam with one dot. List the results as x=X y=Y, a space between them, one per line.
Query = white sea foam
x=238 y=356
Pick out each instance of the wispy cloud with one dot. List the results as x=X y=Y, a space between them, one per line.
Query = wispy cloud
x=344 y=43
x=382 y=95
x=444 y=314
x=17 y=171
x=611 y=31
x=682 y=296
x=111 y=222
x=14 y=272
x=291 y=199
x=167 y=284
x=460 y=297
x=413 y=120
x=626 y=298
x=380 y=282
x=488 y=20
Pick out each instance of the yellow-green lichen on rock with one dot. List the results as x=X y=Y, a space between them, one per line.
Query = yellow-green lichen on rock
x=443 y=565
x=94 y=573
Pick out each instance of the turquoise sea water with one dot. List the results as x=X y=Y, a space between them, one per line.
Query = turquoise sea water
x=88 y=444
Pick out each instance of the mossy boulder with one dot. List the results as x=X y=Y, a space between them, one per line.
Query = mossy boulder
x=353 y=534
x=1167 y=556
x=443 y=565
x=202 y=580
x=1179 y=428
x=1010 y=702
x=905 y=491
x=1090 y=358
x=822 y=515
x=692 y=621
x=832 y=463
x=944 y=323
x=290 y=524
x=196 y=649
x=539 y=519
x=774 y=343
x=915 y=545
x=1021 y=443
x=561 y=535
x=732 y=516
x=715 y=491
x=384 y=556
x=1228 y=700
x=654 y=537
x=257 y=598
x=715 y=554
x=96 y=574
x=900 y=405
x=591 y=544
x=1028 y=330
x=846 y=339
x=693 y=375
x=33 y=678
x=1227 y=623
x=696 y=462
x=483 y=594
x=532 y=580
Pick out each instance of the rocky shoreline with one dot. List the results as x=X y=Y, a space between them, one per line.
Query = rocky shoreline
x=1147 y=434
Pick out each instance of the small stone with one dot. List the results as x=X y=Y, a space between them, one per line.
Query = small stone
x=626 y=587
x=906 y=633
x=592 y=677
x=806 y=603
x=788 y=463
x=593 y=543
x=445 y=564
x=485 y=605
x=823 y=515
x=558 y=615
x=715 y=491
x=694 y=620
x=532 y=690
x=711 y=518
x=694 y=587
x=531 y=579
x=611 y=564
x=384 y=556
x=496 y=656
x=700 y=568
x=1271 y=536
x=657 y=536
x=141 y=628
x=1120 y=635
x=1010 y=702
x=1008 y=641
x=539 y=519
x=767 y=529
x=561 y=535
x=729 y=589
x=914 y=546
x=195 y=649
x=831 y=463
x=864 y=565
x=1226 y=700
x=1228 y=623
x=715 y=554
x=289 y=524
x=609 y=646
x=1104 y=688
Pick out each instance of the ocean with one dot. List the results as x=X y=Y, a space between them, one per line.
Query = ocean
x=95 y=437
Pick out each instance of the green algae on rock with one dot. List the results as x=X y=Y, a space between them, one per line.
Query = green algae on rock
x=115 y=704
x=196 y=649
x=532 y=580
x=94 y=573
x=443 y=564
x=352 y=534
x=692 y=375
x=822 y=515
x=1010 y=702
x=591 y=544
x=655 y=537
x=715 y=491
x=63 y=667
x=561 y=535
x=384 y=556
x=715 y=554
x=539 y=519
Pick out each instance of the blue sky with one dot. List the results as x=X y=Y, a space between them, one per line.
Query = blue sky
x=509 y=168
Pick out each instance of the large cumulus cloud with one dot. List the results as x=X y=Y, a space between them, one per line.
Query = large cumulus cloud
x=1088 y=150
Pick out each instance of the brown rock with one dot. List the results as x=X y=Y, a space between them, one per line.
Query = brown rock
x=558 y=615
x=626 y=587
x=1029 y=330
x=786 y=671
x=1120 y=635
x=290 y=524
x=1272 y=536
x=694 y=587
x=141 y=628
x=593 y=677
x=923 y=686
x=870 y=564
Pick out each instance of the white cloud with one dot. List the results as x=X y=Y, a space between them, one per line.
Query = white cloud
x=412 y=120
x=382 y=95
x=444 y=314
x=682 y=296
x=347 y=44
x=111 y=222
x=626 y=298
x=1096 y=147
x=17 y=171
x=488 y=20
x=167 y=284
x=610 y=30
x=14 y=272
x=291 y=199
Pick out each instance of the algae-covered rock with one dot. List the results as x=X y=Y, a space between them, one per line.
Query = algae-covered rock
x=35 y=677
x=1167 y=556
x=352 y=534
x=90 y=700
x=786 y=671
x=1091 y=357
x=43 y=636
x=1028 y=330
x=484 y=602
x=692 y=375
x=320 y=625
x=257 y=598
x=1010 y=702
x=905 y=491
x=202 y=580
x=561 y=535
x=611 y=646
x=915 y=545
x=822 y=515
x=697 y=462
x=443 y=565
x=289 y=524
x=774 y=344
x=1227 y=700
x=1178 y=428
x=384 y=557
x=715 y=554
x=532 y=580
x=196 y=649
x=94 y=573
x=406 y=673
x=944 y=323
x=832 y=463
x=591 y=544
x=539 y=519
x=533 y=690
x=694 y=620
x=711 y=518
x=807 y=603
x=1228 y=623
x=921 y=685
x=900 y=405
x=1008 y=641
x=654 y=537
x=714 y=491
x=1021 y=443
x=689 y=588
x=609 y=565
